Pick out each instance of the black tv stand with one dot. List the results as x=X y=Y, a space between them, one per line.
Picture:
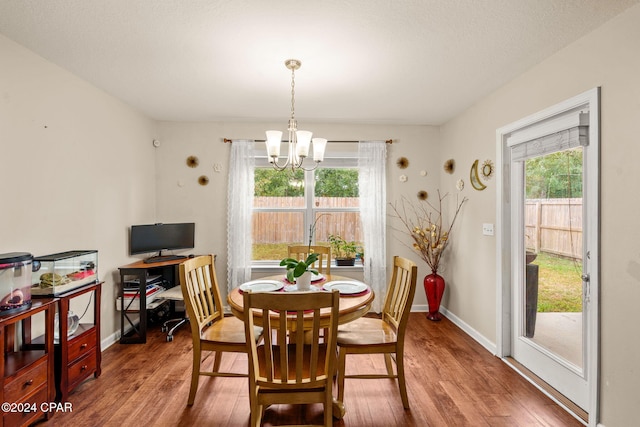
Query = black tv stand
x=163 y=258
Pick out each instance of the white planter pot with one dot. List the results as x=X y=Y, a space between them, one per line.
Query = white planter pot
x=303 y=283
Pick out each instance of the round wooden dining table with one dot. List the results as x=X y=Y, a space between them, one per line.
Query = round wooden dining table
x=351 y=306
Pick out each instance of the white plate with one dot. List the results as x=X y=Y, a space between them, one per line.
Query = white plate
x=262 y=286
x=346 y=287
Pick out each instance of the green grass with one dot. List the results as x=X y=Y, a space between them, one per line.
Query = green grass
x=559 y=284
x=269 y=251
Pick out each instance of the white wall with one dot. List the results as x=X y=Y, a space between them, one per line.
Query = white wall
x=609 y=58
x=206 y=205
x=76 y=167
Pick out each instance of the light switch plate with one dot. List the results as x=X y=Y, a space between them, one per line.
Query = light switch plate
x=487 y=229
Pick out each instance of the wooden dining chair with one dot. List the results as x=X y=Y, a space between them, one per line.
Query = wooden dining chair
x=323 y=265
x=385 y=335
x=285 y=368
x=211 y=331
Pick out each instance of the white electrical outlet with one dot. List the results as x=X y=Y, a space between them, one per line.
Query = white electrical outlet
x=487 y=229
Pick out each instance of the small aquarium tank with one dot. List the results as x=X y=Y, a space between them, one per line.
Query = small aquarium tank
x=15 y=281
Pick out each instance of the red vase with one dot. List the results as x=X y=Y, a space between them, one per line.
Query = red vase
x=434 y=288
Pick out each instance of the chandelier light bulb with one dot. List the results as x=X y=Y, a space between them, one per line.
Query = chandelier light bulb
x=319 y=144
x=303 y=141
x=274 y=137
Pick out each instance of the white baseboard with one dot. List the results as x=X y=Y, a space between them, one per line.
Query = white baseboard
x=481 y=339
x=112 y=339
x=422 y=308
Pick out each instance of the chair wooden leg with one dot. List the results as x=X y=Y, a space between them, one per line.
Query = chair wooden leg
x=342 y=358
x=255 y=407
x=216 y=361
x=255 y=418
x=388 y=364
x=195 y=376
x=401 y=380
x=257 y=414
x=328 y=410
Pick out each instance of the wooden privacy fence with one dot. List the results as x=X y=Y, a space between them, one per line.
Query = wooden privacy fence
x=288 y=226
x=554 y=226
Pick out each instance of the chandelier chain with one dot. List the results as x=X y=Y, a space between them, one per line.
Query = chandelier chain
x=298 y=148
x=293 y=91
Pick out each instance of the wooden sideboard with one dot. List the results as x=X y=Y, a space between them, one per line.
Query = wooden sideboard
x=26 y=371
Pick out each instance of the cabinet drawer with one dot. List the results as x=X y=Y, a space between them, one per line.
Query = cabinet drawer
x=26 y=418
x=79 y=346
x=26 y=382
x=81 y=369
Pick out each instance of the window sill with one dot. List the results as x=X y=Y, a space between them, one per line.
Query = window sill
x=275 y=268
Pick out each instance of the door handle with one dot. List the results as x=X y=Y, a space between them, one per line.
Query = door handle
x=587 y=288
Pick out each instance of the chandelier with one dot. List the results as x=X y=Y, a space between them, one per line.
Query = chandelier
x=299 y=140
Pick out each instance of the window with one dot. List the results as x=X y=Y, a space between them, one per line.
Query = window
x=286 y=204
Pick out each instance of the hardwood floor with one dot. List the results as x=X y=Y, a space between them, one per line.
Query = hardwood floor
x=451 y=381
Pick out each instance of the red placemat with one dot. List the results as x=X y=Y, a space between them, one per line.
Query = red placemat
x=359 y=294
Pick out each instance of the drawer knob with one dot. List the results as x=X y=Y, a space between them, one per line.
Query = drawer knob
x=28 y=383
x=83 y=346
x=83 y=368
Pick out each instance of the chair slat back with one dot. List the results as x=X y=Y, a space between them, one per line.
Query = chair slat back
x=301 y=252
x=296 y=358
x=400 y=293
x=200 y=291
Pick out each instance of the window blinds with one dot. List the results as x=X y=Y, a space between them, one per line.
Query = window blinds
x=557 y=134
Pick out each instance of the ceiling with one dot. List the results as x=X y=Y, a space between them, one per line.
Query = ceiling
x=363 y=61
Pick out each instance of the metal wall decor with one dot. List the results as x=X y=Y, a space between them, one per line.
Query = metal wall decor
x=402 y=162
x=449 y=166
x=474 y=178
x=422 y=195
x=203 y=180
x=192 y=161
x=487 y=169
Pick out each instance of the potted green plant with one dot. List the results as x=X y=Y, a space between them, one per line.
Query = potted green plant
x=360 y=254
x=300 y=271
x=343 y=251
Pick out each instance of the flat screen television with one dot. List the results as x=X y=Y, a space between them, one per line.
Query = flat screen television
x=161 y=237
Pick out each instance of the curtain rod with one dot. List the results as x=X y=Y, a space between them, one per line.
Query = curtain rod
x=225 y=140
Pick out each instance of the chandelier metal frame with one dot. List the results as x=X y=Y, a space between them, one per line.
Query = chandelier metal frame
x=299 y=141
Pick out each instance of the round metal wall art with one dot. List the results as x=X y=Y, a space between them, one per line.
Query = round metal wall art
x=402 y=162
x=192 y=161
x=422 y=195
x=487 y=169
x=203 y=180
x=449 y=166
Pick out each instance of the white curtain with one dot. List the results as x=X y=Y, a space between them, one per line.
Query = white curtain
x=239 y=207
x=373 y=201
